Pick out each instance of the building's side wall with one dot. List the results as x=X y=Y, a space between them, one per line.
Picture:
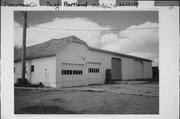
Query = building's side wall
x=147 y=66
x=44 y=71
x=18 y=71
x=138 y=70
x=77 y=53
x=47 y=77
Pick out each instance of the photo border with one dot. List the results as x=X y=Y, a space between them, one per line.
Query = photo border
x=168 y=67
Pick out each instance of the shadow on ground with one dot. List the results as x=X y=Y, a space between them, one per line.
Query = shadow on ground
x=44 y=110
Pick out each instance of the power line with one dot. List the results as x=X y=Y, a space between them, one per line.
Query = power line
x=93 y=29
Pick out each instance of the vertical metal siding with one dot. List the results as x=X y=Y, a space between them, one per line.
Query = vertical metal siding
x=116 y=69
x=138 y=70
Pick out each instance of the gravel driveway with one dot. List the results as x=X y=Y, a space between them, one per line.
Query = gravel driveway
x=96 y=99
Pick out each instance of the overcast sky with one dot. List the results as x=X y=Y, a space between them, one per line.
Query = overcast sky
x=142 y=42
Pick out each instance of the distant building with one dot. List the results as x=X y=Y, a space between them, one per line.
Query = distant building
x=71 y=62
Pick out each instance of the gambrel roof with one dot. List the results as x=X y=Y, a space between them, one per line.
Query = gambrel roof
x=45 y=49
x=51 y=47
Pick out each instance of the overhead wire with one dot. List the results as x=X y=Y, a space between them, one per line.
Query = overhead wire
x=120 y=29
x=105 y=30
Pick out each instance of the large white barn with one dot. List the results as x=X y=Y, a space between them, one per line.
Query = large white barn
x=71 y=62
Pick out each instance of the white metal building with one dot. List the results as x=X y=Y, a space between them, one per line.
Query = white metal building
x=71 y=62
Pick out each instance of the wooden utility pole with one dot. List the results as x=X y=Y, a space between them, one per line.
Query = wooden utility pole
x=24 y=46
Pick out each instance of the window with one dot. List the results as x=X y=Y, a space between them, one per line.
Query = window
x=70 y=72
x=89 y=70
x=93 y=70
x=32 y=68
x=64 y=72
x=74 y=72
x=14 y=69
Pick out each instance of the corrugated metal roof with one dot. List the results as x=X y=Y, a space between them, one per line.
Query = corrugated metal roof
x=51 y=47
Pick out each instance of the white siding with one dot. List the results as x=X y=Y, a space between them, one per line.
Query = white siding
x=147 y=66
x=39 y=75
x=18 y=71
x=77 y=53
x=47 y=77
x=138 y=69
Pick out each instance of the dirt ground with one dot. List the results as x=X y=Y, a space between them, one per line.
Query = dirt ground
x=97 y=99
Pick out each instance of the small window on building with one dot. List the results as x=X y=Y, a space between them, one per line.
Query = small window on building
x=74 y=72
x=67 y=72
x=32 y=68
x=14 y=69
x=63 y=72
x=70 y=72
x=79 y=71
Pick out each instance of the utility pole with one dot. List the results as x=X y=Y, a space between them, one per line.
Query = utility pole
x=24 y=46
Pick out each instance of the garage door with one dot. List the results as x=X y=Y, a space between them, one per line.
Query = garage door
x=72 y=72
x=94 y=72
x=116 y=68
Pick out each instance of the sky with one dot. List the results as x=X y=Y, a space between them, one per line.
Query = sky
x=137 y=41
